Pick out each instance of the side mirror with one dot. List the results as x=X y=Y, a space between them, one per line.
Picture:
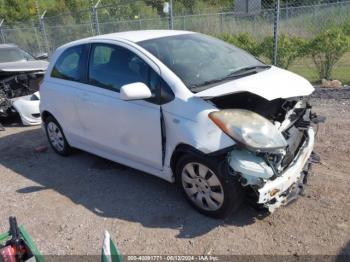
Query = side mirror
x=42 y=56
x=135 y=91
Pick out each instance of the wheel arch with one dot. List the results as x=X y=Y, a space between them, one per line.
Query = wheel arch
x=183 y=148
x=179 y=151
x=45 y=114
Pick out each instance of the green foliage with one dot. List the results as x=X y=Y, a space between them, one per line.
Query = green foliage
x=201 y=6
x=17 y=10
x=244 y=41
x=21 y=10
x=346 y=25
x=289 y=48
x=326 y=49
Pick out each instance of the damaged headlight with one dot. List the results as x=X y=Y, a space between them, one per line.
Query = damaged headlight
x=249 y=128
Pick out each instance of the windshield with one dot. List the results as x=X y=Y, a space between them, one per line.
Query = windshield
x=14 y=55
x=199 y=60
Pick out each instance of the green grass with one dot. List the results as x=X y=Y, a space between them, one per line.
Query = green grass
x=306 y=68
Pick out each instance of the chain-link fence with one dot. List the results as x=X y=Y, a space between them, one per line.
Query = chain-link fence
x=27 y=36
x=67 y=27
x=259 y=18
x=306 y=20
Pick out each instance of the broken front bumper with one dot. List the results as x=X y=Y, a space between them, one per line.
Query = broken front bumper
x=277 y=192
x=280 y=190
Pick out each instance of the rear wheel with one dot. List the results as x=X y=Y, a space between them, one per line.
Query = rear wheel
x=208 y=186
x=56 y=137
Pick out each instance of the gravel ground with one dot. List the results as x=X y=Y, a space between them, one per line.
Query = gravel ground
x=67 y=203
x=335 y=93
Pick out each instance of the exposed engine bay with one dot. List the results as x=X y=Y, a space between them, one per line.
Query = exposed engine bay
x=16 y=90
x=275 y=177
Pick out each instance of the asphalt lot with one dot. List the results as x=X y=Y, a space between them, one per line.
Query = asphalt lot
x=66 y=203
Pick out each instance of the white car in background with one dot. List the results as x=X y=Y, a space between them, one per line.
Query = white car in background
x=185 y=107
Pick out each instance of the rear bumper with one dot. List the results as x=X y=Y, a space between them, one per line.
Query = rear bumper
x=279 y=191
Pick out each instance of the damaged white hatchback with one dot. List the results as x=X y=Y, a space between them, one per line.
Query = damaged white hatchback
x=185 y=107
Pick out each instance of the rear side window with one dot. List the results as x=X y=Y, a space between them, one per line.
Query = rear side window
x=69 y=65
x=112 y=66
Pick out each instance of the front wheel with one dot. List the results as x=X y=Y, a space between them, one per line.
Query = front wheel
x=208 y=186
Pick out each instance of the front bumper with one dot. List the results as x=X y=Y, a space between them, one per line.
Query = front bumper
x=28 y=108
x=275 y=193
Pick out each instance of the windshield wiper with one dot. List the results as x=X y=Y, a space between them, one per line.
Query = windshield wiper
x=246 y=69
x=236 y=74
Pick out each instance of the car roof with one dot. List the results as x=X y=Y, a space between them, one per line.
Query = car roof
x=131 y=36
x=141 y=35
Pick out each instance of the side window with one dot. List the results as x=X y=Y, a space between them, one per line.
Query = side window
x=101 y=55
x=112 y=66
x=69 y=65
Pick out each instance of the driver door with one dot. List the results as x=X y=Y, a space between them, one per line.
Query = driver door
x=128 y=130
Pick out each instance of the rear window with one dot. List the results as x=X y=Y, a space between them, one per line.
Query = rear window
x=69 y=65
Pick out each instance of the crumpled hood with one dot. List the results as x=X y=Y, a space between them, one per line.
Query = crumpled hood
x=270 y=84
x=24 y=66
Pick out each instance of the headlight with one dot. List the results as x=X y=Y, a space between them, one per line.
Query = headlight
x=249 y=128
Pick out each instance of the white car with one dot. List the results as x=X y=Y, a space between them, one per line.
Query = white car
x=185 y=107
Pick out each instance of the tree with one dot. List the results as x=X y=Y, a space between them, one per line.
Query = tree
x=16 y=10
x=326 y=49
x=244 y=41
x=289 y=49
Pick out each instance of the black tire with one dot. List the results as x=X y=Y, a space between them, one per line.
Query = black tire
x=65 y=150
x=233 y=193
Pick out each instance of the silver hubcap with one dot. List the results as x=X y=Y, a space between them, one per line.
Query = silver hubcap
x=55 y=136
x=202 y=186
